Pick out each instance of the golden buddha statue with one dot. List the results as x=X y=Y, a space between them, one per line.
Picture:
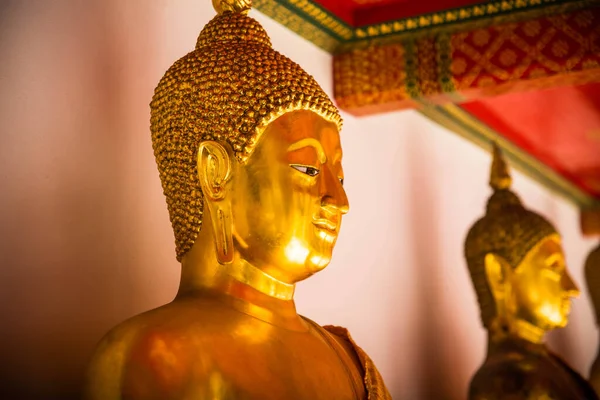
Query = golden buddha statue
x=248 y=150
x=517 y=266
x=592 y=277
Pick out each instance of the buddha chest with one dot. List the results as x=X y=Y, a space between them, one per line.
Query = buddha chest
x=236 y=356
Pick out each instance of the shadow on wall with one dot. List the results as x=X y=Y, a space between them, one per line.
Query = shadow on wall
x=435 y=325
x=61 y=219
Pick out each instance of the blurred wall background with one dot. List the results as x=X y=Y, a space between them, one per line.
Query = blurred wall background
x=85 y=240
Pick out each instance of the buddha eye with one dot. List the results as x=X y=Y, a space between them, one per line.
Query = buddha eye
x=341 y=181
x=310 y=171
x=555 y=265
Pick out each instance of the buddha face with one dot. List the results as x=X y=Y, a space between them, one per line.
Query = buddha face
x=288 y=198
x=541 y=286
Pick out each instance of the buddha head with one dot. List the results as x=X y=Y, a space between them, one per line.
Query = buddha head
x=592 y=277
x=246 y=139
x=517 y=264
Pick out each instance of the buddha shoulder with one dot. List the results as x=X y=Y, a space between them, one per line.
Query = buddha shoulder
x=154 y=355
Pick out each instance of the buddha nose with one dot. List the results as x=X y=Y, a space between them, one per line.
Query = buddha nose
x=333 y=193
x=569 y=285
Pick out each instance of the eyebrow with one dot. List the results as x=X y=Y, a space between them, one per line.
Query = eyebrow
x=310 y=142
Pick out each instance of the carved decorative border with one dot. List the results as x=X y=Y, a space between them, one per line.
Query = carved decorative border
x=494 y=11
x=323 y=17
x=324 y=29
x=308 y=20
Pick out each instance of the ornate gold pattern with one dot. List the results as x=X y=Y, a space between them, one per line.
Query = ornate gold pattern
x=519 y=56
x=309 y=30
x=444 y=63
x=465 y=18
x=229 y=88
x=309 y=20
x=481 y=37
x=532 y=28
x=411 y=68
x=513 y=52
x=325 y=30
x=459 y=66
x=323 y=18
x=371 y=77
x=427 y=72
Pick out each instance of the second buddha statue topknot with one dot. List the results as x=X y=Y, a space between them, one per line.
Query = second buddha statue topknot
x=248 y=151
x=518 y=269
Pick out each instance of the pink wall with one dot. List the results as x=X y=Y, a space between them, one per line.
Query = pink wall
x=86 y=241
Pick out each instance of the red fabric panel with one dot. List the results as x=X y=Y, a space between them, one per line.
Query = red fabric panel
x=558 y=126
x=365 y=12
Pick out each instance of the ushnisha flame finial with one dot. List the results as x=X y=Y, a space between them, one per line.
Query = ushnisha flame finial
x=499 y=176
x=236 y=6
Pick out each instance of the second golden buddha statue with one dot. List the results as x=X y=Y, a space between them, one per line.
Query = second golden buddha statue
x=517 y=266
x=248 y=150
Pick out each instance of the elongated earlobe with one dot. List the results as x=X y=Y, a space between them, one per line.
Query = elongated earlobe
x=495 y=271
x=494 y=274
x=223 y=237
x=214 y=172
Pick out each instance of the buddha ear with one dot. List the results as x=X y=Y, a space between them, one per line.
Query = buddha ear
x=496 y=274
x=214 y=169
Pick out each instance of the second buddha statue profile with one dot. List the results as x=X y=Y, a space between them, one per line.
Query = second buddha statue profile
x=518 y=269
x=248 y=150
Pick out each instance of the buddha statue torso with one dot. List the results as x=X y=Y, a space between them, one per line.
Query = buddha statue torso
x=248 y=150
x=518 y=369
x=518 y=269
x=211 y=346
